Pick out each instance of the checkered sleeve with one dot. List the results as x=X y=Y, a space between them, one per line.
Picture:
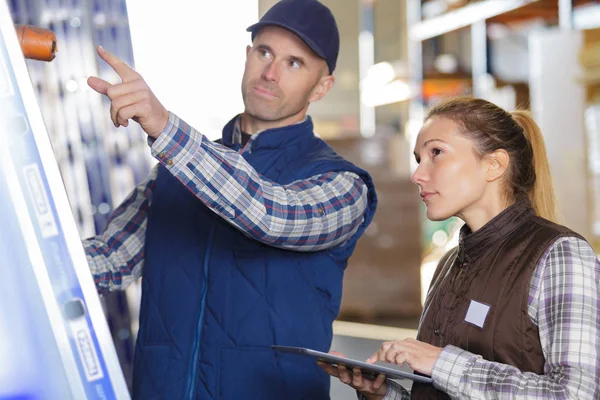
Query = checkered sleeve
x=565 y=303
x=306 y=215
x=395 y=391
x=116 y=256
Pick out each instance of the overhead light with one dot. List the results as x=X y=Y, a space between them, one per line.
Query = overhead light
x=446 y=63
x=389 y=93
x=379 y=74
x=385 y=83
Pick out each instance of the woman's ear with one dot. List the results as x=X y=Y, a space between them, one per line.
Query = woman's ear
x=497 y=164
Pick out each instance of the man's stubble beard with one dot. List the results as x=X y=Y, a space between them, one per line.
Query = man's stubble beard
x=263 y=112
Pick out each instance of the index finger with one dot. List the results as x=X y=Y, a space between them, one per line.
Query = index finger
x=374 y=358
x=379 y=355
x=123 y=70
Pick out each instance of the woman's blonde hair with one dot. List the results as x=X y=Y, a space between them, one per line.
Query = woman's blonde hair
x=491 y=128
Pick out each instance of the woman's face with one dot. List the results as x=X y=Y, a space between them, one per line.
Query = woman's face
x=452 y=179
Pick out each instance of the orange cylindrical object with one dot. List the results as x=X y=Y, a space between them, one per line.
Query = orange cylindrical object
x=37 y=43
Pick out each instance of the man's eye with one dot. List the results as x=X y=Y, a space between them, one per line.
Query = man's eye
x=294 y=64
x=264 y=53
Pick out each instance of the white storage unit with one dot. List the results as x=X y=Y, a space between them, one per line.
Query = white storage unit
x=55 y=343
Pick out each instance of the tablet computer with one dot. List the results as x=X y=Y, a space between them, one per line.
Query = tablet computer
x=369 y=371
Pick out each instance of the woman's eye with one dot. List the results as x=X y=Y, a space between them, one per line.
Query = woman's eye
x=436 y=152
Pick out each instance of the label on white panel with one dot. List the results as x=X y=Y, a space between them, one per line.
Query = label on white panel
x=86 y=349
x=5 y=86
x=41 y=204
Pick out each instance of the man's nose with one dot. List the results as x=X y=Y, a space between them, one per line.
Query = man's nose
x=271 y=72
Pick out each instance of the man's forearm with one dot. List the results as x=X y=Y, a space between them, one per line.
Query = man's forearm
x=307 y=215
x=116 y=257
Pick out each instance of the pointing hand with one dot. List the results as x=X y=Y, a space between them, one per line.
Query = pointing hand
x=130 y=99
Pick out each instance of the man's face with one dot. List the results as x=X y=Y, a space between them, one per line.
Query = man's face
x=282 y=76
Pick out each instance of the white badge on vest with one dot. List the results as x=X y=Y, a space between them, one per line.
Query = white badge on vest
x=477 y=313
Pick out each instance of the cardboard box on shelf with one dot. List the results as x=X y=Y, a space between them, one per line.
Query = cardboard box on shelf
x=382 y=281
x=590 y=61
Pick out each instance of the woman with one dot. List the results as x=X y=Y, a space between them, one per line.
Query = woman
x=514 y=310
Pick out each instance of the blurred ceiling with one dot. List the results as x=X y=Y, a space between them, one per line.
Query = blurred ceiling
x=341 y=106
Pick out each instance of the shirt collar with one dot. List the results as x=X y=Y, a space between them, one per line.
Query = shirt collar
x=233 y=135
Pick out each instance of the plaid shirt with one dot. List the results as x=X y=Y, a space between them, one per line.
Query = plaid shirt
x=564 y=302
x=283 y=216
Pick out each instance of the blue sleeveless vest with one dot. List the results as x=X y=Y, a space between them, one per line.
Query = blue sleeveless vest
x=214 y=301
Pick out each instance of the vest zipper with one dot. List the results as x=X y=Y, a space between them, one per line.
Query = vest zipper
x=192 y=378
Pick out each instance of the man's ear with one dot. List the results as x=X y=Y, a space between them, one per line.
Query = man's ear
x=497 y=164
x=322 y=87
x=248 y=48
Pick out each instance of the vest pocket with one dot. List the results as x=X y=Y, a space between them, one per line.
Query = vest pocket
x=152 y=370
x=249 y=372
x=261 y=373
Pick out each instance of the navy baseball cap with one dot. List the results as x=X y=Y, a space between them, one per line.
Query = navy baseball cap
x=311 y=21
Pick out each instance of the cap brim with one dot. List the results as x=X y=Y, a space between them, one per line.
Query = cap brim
x=313 y=46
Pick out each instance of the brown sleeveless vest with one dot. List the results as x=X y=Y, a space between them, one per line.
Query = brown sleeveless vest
x=494 y=267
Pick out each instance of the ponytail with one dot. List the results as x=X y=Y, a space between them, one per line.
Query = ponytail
x=541 y=194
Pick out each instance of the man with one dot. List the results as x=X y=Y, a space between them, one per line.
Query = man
x=242 y=243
